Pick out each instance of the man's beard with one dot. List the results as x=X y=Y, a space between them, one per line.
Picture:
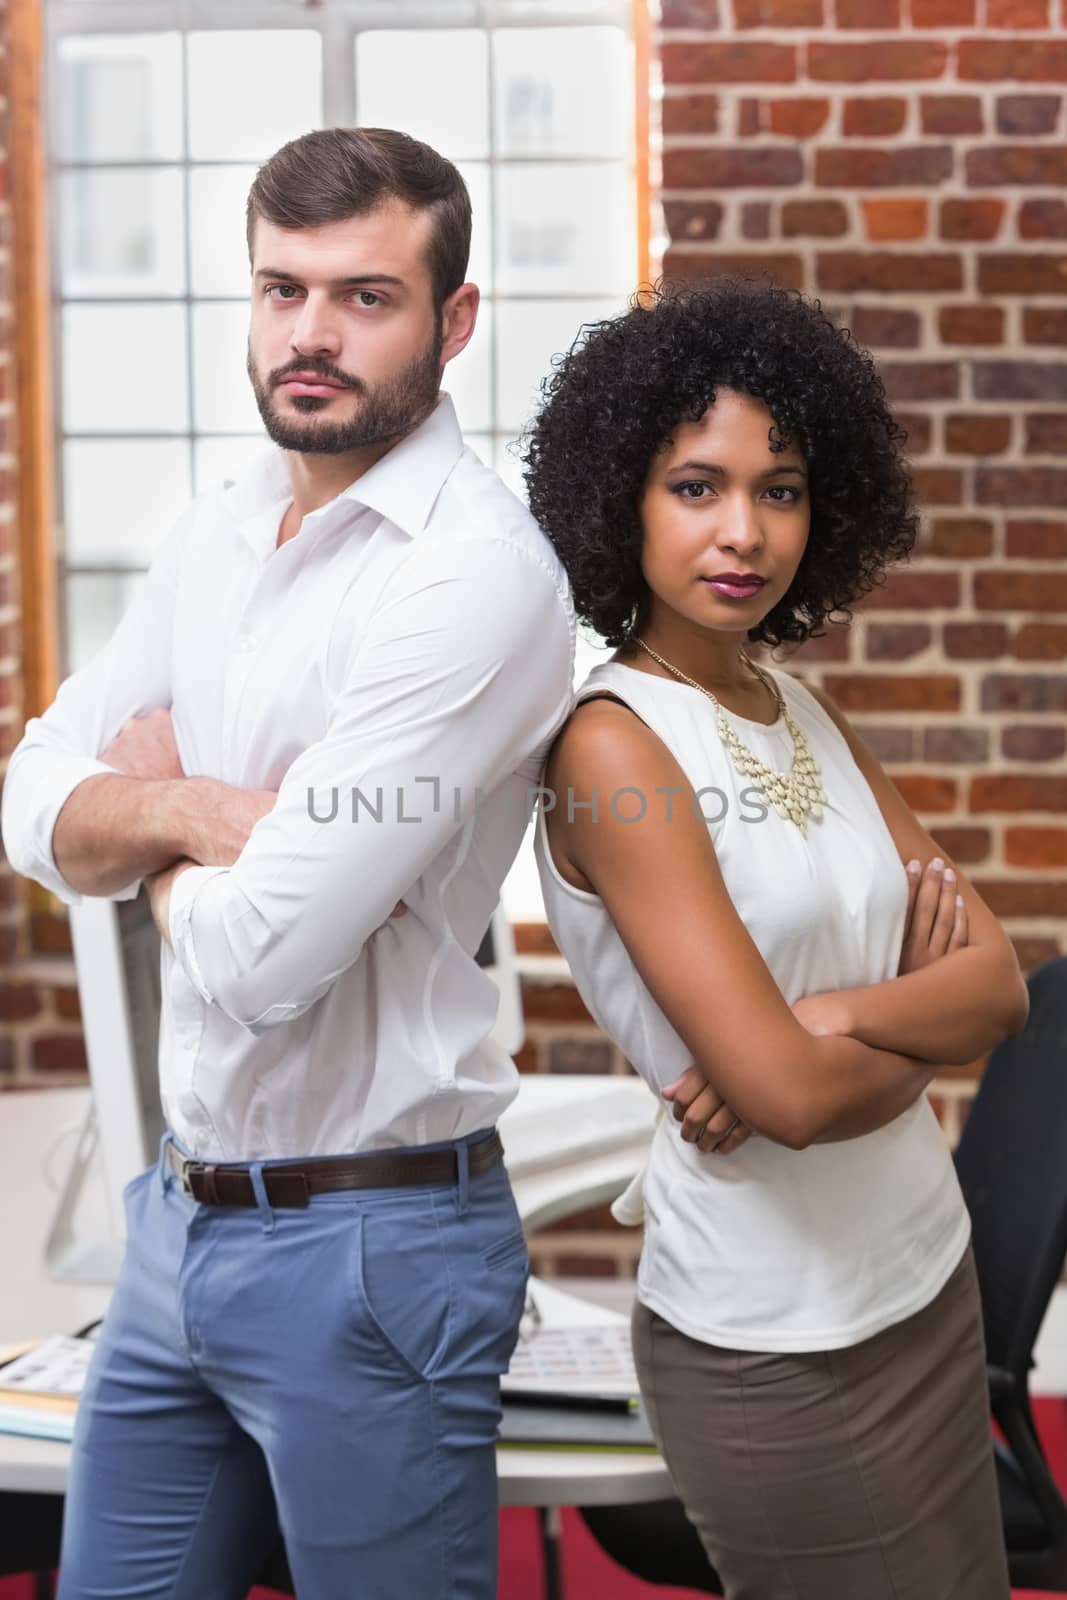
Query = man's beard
x=388 y=411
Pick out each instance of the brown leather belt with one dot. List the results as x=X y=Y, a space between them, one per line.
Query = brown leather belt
x=293 y=1183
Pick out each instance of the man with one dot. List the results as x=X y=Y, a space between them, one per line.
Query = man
x=333 y=693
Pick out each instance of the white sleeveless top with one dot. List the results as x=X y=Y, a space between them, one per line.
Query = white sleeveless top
x=771 y=1248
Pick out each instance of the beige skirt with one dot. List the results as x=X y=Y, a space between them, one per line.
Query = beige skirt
x=858 y=1474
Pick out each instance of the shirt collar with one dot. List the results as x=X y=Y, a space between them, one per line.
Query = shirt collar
x=402 y=486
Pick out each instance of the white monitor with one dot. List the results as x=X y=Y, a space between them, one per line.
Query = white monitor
x=116 y=956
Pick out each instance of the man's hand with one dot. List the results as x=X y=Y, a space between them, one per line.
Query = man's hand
x=157 y=887
x=936 y=921
x=145 y=747
x=218 y=817
x=706 y=1119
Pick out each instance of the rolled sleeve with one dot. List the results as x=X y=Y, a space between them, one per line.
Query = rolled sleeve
x=464 y=672
x=58 y=750
x=47 y=785
x=183 y=891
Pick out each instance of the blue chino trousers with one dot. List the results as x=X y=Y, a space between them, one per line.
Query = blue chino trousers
x=340 y=1362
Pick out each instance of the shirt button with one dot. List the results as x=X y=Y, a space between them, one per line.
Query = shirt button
x=246 y=641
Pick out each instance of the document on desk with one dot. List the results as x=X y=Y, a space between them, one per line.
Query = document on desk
x=57 y=1366
x=591 y=1357
x=39 y=1389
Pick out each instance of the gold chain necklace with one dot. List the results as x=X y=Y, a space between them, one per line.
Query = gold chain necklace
x=795 y=795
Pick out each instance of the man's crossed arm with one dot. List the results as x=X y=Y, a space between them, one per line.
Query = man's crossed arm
x=460 y=676
x=152 y=821
x=149 y=815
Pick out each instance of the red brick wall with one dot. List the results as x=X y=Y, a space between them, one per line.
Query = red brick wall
x=905 y=161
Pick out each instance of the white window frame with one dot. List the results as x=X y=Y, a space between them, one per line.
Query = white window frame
x=338 y=22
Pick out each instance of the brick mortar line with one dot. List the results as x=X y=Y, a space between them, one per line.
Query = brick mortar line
x=829 y=33
x=855 y=243
x=56 y=972
x=852 y=242
x=824 y=244
x=859 y=143
x=944 y=615
x=50 y=1025
x=807 y=250
x=983 y=89
x=833 y=136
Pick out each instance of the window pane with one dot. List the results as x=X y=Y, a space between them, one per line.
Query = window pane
x=124 y=369
x=218 y=461
x=95 y=603
x=564 y=230
x=252 y=91
x=217 y=197
x=432 y=83
x=121 y=496
x=222 y=394
x=467 y=378
x=119 y=98
x=562 y=91
x=475 y=175
x=529 y=334
x=121 y=231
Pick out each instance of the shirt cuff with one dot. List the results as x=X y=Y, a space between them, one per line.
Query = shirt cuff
x=184 y=888
x=64 y=775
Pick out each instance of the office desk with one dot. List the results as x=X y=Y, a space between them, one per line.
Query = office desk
x=34 y=1306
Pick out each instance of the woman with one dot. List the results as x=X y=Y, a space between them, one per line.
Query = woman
x=755 y=915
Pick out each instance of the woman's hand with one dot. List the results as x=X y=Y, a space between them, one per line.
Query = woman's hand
x=935 y=924
x=936 y=920
x=706 y=1119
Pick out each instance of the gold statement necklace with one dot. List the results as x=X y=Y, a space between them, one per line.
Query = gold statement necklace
x=795 y=795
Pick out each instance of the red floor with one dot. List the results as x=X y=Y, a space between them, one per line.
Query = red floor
x=588 y=1574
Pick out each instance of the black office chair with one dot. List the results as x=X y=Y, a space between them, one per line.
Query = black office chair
x=275 y=1574
x=29 y=1537
x=1012 y=1165
x=656 y=1542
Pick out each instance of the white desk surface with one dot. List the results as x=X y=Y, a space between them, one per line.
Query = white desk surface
x=32 y=1305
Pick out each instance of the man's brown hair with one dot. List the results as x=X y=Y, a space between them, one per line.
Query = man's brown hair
x=336 y=173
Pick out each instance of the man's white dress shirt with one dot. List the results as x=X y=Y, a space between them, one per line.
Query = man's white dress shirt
x=397 y=672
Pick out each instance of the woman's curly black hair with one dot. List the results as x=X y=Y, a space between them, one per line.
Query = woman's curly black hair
x=617 y=396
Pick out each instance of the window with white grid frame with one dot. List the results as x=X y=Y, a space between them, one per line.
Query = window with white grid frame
x=155 y=135
x=159 y=114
